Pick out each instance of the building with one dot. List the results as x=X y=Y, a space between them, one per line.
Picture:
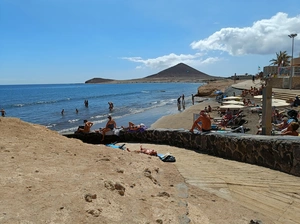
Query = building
x=283 y=75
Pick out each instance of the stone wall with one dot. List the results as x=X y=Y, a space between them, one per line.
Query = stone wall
x=276 y=152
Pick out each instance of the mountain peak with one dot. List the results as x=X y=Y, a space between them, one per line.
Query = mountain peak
x=180 y=70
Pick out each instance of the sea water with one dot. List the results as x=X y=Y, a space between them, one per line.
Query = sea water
x=136 y=102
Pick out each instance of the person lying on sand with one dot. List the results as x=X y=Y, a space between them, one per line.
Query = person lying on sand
x=133 y=127
x=291 y=129
x=150 y=152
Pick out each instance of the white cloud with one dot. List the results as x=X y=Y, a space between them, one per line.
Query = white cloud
x=173 y=59
x=263 y=37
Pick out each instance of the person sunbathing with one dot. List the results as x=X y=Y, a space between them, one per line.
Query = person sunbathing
x=291 y=129
x=206 y=122
x=110 y=125
x=86 y=128
x=150 y=152
x=133 y=127
x=282 y=125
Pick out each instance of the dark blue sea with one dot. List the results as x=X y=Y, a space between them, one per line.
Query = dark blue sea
x=138 y=103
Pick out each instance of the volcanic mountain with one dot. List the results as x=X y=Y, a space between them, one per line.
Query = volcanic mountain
x=180 y=71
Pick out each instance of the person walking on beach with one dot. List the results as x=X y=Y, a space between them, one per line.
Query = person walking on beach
x=3 y=112
x=183 y=102
x=179 y=103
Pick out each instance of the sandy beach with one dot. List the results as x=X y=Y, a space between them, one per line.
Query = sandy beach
x=184 y=119
x=48 y=178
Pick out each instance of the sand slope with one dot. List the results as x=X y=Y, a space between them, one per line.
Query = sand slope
x=48 y=178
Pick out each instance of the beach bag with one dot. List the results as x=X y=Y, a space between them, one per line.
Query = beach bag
x=169 y=158
x=292 y=113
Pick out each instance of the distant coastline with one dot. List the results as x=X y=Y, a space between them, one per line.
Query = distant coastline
x=151 y=80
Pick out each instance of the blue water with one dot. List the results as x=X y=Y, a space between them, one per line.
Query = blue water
x=138 y=102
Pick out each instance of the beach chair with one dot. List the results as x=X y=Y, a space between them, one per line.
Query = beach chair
x=230 y=121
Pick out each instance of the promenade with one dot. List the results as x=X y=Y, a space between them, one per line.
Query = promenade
x=274 y=194
x=248 y=83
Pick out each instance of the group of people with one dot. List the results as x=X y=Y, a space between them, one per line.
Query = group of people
x=253 y=91
x=248 y=102
x=281 y=124
x=110 y=126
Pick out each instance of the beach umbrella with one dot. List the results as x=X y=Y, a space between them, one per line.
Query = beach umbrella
x=218 y=92
x=233 y=102
x=232 y=98
x=260 y=96
x=279 y=103
x=232 y=106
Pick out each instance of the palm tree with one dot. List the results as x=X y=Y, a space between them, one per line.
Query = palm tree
x=282 y=59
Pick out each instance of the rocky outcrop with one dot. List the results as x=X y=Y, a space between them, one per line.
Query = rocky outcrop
x=99 y=80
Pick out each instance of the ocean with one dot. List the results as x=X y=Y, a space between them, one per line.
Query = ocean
x=136 y=102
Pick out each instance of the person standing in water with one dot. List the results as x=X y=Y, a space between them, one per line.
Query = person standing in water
x=183 y=102
x=179 y=103
x=193 y=99
x=111 y=106
x=3 y=112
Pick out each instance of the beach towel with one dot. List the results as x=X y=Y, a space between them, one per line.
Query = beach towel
x=113 y=145
x=166 y=157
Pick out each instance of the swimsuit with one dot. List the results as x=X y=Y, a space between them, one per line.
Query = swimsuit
x=111 y=126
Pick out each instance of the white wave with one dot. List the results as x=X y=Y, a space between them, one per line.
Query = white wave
x=66 y=130
x=73 y=121
x=19 y=105
x=50 y=125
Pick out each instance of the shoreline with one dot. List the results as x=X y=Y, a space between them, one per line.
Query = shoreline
x=184 y=119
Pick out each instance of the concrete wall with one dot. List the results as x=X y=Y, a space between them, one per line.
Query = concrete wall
x=276 y=152
x=279 y=82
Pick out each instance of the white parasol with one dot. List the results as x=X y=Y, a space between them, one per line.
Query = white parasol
x=233 y=102
x=279 y=103
x=232 y=98
x=260 y=96
x=232 y=106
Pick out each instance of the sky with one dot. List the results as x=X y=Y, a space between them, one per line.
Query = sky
x=71 y=41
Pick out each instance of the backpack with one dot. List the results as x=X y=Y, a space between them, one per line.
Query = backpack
x=169 y=158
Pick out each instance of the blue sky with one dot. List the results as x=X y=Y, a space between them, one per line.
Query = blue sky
x=71 y=41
